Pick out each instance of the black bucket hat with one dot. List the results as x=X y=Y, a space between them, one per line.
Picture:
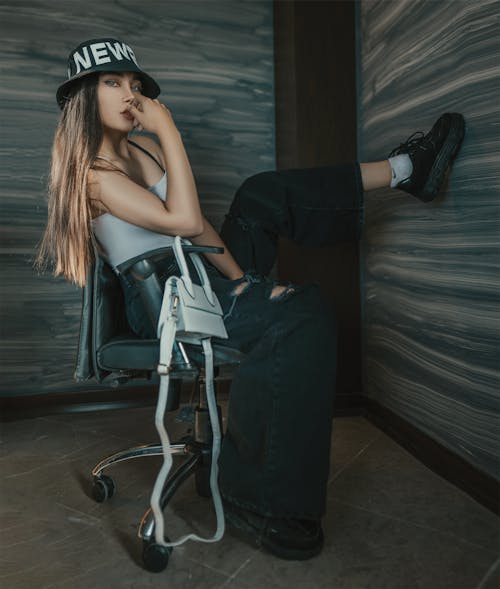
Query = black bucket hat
x=103 y=55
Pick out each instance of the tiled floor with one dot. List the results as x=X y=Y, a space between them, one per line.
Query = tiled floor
x=391 y=522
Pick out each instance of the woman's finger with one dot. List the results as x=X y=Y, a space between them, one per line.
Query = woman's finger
x=140 y=98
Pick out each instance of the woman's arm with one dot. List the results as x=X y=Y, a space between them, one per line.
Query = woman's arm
x=182 y=195
x=180 y=214
x=223 y=262
x=125 y=199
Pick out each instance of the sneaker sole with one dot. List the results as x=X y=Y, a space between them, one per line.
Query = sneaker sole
x=242 y=530
x=290 y=553
x=444 y=158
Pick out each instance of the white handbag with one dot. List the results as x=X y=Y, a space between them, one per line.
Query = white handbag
x=199 y=312
x=190 y=313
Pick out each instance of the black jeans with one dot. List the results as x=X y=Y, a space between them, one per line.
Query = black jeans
x=275 y=454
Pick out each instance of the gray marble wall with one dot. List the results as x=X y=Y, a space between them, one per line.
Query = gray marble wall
x=214 y=62
x=430 y=279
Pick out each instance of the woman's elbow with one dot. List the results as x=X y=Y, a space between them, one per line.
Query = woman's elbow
x=193 y=229
x=182 y=225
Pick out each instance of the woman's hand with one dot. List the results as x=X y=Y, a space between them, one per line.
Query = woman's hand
x=150 y=114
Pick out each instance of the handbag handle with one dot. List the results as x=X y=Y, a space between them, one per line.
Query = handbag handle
x=200 y=269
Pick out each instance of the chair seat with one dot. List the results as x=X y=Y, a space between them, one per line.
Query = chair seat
x=126 y=353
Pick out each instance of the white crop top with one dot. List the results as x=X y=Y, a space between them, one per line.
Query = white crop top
x=122 y=240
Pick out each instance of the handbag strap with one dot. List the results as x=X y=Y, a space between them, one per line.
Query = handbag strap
x=198 y=264
x=167 y=325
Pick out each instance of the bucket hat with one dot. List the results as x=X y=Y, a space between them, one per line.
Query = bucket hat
x=103 y=55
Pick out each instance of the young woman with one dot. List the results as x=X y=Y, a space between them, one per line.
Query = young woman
x=133 y=195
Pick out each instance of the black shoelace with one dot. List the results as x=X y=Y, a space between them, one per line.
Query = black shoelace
x=415 y=141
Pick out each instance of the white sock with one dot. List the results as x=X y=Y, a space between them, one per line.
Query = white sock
x=401 y=167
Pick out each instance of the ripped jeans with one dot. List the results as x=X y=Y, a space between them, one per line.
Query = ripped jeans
x=275 y=454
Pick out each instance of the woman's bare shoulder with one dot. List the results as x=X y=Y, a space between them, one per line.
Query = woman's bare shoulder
x=95 y=178
x=149 y=144
x=99 y=179
x=97 y=207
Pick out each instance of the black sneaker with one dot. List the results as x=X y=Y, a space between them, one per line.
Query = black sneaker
x=287 y=538
x=431 y=155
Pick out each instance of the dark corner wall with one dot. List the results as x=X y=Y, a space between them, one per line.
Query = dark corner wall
x=430 y=276
x=315 y=64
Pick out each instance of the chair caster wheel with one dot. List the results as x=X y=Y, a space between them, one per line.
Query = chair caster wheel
x=154 y=556
x=103 y=489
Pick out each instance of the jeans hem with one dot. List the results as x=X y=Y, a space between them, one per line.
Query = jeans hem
x=250 y=506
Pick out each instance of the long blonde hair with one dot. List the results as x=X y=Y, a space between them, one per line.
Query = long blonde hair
x=67 y=240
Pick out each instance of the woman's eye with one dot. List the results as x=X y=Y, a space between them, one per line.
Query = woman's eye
x=135 y=87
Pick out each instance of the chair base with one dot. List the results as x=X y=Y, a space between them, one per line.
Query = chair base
x=196 y=446
x=135 y=452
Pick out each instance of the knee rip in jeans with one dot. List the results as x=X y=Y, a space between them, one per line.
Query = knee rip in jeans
x=278 y=291
x=275 y=292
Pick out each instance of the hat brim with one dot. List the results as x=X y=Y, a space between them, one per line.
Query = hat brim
x=149 y=88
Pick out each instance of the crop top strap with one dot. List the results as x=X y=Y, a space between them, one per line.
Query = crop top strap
x=147 y=153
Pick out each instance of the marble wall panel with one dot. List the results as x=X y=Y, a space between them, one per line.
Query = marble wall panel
x=214 y=62
x=430 y=275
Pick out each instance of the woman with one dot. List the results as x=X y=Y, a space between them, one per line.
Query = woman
x=274 y=461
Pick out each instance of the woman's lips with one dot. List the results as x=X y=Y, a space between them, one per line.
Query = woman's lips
x=127 y=115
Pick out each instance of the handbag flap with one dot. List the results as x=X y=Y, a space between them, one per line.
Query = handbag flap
x=196 y=314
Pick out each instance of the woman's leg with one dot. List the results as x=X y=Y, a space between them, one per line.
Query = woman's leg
x=376 y=175
x=324 y=205
x=276 y=450
x=275 y=453
x=310 y=206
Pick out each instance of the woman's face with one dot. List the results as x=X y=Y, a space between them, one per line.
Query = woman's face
x=115 y=91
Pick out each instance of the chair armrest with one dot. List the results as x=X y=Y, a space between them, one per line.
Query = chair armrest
x=162 y=252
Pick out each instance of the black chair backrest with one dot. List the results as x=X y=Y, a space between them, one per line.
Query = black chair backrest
x=103 y=317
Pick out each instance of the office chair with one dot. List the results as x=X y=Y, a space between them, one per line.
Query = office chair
x=113 y=354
